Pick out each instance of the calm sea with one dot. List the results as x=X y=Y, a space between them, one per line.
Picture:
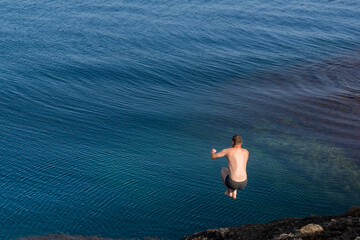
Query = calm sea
x=109 y=110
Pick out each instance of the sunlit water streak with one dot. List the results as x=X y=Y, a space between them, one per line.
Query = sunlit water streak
x=109 y=110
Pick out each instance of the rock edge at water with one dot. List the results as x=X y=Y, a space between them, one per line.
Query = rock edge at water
x=344 y=226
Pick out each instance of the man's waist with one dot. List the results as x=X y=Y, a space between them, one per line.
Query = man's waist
x=241 y=178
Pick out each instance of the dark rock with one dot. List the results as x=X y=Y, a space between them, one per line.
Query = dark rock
x=354 y=211
x=349 y=222
x=332 y=223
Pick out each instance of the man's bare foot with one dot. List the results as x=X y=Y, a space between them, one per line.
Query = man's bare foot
x=228 y=193
x=234 y=193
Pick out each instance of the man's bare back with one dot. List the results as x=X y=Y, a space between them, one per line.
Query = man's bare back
x=234 y=177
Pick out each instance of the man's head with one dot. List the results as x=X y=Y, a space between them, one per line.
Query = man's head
x=236 y=140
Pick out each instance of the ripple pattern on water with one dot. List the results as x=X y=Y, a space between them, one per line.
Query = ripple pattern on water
x=108 y=111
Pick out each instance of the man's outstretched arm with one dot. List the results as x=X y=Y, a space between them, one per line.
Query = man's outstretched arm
x=215 y=155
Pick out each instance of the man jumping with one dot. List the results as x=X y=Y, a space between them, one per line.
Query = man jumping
x=235 y=177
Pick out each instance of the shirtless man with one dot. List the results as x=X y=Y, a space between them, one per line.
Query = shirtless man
x=235 y=177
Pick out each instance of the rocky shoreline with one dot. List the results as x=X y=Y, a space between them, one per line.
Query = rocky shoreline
x=343 y=226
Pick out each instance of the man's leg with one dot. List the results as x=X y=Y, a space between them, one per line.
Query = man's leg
x=224 y=173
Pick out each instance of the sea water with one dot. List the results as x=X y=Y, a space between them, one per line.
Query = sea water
x=109 y=110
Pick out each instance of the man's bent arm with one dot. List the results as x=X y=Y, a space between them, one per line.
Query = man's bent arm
x=215 y=155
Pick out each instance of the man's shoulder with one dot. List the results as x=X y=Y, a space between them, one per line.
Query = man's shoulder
x=227 y=150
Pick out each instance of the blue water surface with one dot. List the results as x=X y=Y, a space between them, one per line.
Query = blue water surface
x=109 y=110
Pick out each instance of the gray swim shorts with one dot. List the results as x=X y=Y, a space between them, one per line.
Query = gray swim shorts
x=233 y=184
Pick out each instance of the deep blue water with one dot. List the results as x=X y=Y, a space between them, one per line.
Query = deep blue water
x=109 y=110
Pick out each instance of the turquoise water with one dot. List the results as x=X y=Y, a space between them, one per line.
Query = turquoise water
x=109 y=110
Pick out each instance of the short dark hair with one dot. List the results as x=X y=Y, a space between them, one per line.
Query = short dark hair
x=237 y=139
